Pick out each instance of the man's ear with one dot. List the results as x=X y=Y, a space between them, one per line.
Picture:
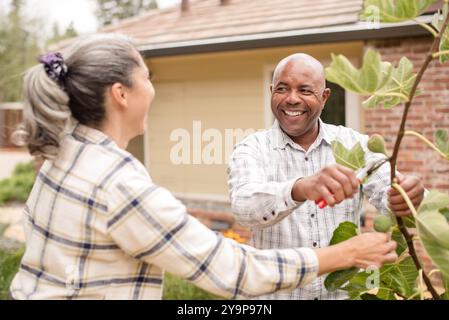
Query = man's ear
x=326 y=94
x=118 y=95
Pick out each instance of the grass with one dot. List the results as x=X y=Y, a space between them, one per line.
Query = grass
x=9 y=264
x=175 y=288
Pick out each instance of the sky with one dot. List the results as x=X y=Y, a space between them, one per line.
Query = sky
x=63 y=12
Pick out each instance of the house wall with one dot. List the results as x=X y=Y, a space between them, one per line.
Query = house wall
x=429 y=112
x=9 y=119
x=223 y=91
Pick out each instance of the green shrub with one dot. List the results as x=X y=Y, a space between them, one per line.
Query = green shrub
x=24 y=168
x=19 y=185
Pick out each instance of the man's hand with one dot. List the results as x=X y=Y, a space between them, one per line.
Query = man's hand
x=333 y=183
x=415 y=191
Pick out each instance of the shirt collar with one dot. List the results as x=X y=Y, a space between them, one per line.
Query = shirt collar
x=325 y=132
x=90 y=135
x=281 y=139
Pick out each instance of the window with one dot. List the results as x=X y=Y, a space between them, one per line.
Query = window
x=334 y=111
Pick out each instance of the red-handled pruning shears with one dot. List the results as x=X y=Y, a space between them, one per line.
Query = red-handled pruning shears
x=361 y=174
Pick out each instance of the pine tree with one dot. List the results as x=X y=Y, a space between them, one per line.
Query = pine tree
x=70 y=32
x=18 y=51
x=111 y=11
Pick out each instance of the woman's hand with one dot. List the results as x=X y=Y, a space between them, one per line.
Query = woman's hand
x=368 y=249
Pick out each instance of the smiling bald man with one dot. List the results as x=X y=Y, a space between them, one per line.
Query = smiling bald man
x=274 y=176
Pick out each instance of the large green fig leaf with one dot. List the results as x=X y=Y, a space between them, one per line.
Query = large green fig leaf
x=409 y=221
x=335 y=280
x=381 y=81
x=345 y=230
x=385 y=291
x=396 y=278
x=399 y=277
x=394 y=11
x=397 y=89
x=373 y=75
x=397 y=236
x=369 y=296
x=433 y=229
x=442 y=142
x=353 y=159
x=357 y=286
x=445 y=213
x=437 y=22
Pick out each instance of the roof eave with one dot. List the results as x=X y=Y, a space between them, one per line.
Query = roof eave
x=354 y=32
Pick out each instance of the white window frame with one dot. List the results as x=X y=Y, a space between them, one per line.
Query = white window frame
x=11 y=106
x=267 y=78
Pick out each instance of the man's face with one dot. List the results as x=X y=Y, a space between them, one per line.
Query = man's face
x=298 y=97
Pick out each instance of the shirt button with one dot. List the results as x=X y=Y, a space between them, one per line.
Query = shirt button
x=265 y=218
x=306 y=158
x=312 y=215
x=273 y=213
x=315 y=244
x=316 y=299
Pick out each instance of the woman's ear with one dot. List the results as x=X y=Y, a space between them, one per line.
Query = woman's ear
x=118 y=95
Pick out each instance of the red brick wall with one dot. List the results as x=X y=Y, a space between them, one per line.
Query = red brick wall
x=429 y=112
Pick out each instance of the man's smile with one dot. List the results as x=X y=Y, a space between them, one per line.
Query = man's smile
x=294 y=113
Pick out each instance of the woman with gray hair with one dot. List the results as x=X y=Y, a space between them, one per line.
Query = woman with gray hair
x=97 y=227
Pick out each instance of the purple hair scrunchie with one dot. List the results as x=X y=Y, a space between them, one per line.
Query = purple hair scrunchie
x=55 y=67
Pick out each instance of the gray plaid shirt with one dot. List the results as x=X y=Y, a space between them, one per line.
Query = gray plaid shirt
x=262 y=171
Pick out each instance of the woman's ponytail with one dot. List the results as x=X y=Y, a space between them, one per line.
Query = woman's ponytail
x=46 y=114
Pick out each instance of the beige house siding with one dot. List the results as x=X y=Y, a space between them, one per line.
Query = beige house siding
x=223 y=91
x=135 y=147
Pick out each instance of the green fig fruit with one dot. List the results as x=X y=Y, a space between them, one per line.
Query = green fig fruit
x=382 y=223
x=376 y=144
